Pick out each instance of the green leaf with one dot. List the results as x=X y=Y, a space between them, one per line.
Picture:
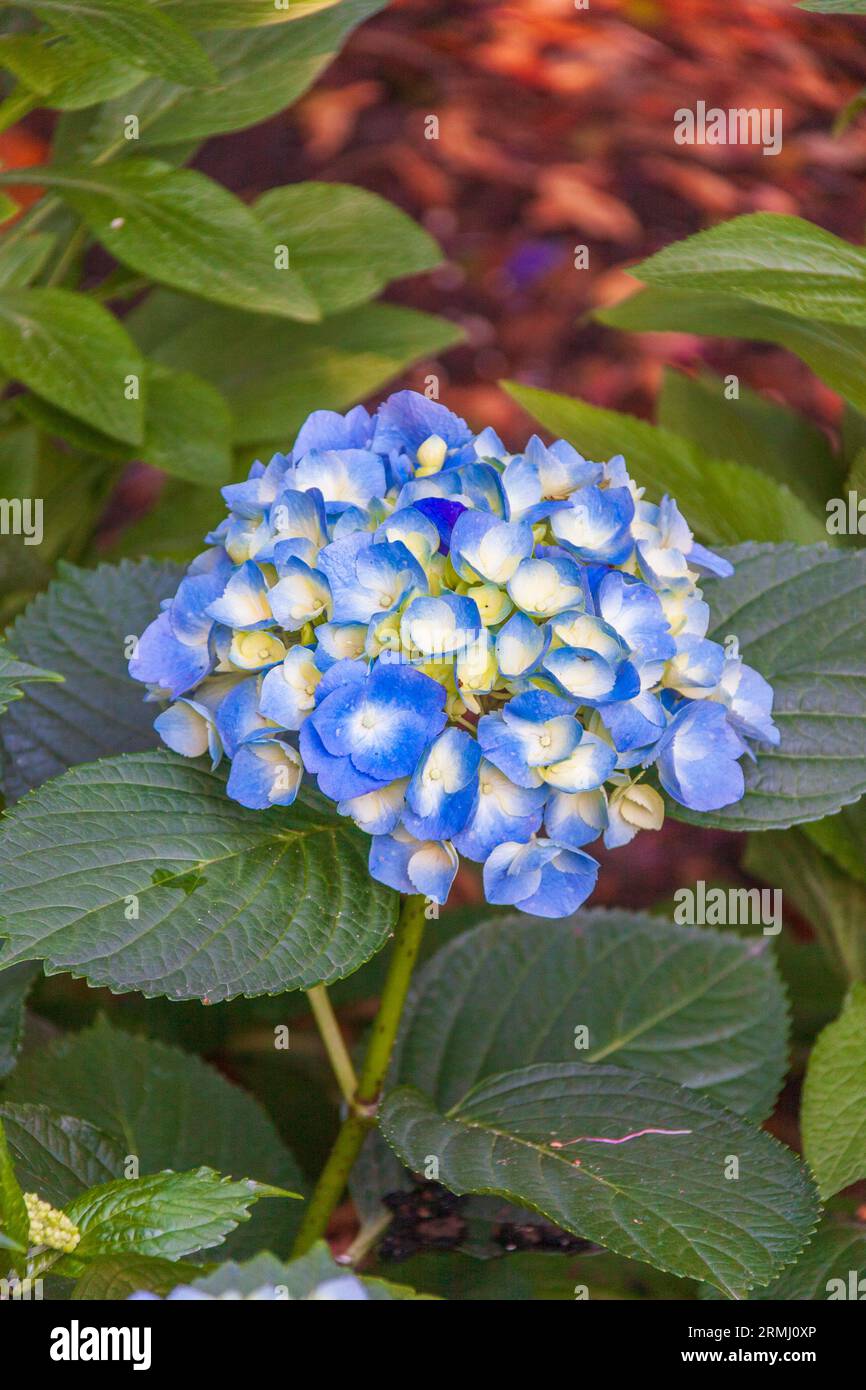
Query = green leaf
x=703 y=1008
x=345 y=243
x=74 y=492
x=274 y=373
x=833 y=1114
x=14 y=987
x=140 y=34
x=768 y=258
x=164 y=1214
x=799 y=614
x=83 y=623
x=721 y=500
x=14 y=674
x=187 y=429
x=22 y=260
x=834 y=352
x=756 y=431
x=297 y=1279
x=833 y=903
x=242 y=14
x=230 y=901
x=813 y=985
x=14 y=1221
x=57 y=1155
x=66 y=73
x=663 y=1198
x=259 y=72
x=833 y=1266
x=181 y=228
x=115 y=1277
x=843 y=838
x=171 y=1110
x=833 y=6
x=71 y=350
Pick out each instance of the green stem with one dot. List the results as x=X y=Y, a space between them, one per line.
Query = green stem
x=365 y=1103
x=68 y=256
x=31 y=219
x=335 y=1047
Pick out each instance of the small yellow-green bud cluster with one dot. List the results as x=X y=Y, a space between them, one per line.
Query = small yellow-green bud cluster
x=50 y=1227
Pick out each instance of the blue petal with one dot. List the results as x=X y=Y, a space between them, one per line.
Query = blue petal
x=483 y=547
x=184 y=728
x=406 y=419
x=513 y=871
x=442 y=790
x=243 y=604
x=265 y=774
x=697 y=758
x=708 y=563
x=575 y=819
x=749 y=702
x=412 y=866
x=635 y=723
x=327 y=429
x=585 y=768
x=161 y=660
x=384 y=724
x=633 y=610
x=377 y=812
x=520 y=645
x=337 y=778
x=597 y=524
x=566 y=883
x=502 y=811
x=440 y=627
x=288 y=691
x=302 y=595
x=238 y=719
x=347 y=477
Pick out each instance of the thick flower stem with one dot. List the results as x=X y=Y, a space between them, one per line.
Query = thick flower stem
x=365 y=1102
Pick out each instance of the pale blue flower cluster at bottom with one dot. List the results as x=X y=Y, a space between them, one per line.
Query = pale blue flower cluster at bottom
x=472 y=652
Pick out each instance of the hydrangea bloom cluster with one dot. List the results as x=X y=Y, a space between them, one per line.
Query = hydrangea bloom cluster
x=472 y=652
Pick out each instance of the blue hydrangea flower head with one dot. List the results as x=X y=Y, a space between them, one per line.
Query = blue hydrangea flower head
x=470 y=652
